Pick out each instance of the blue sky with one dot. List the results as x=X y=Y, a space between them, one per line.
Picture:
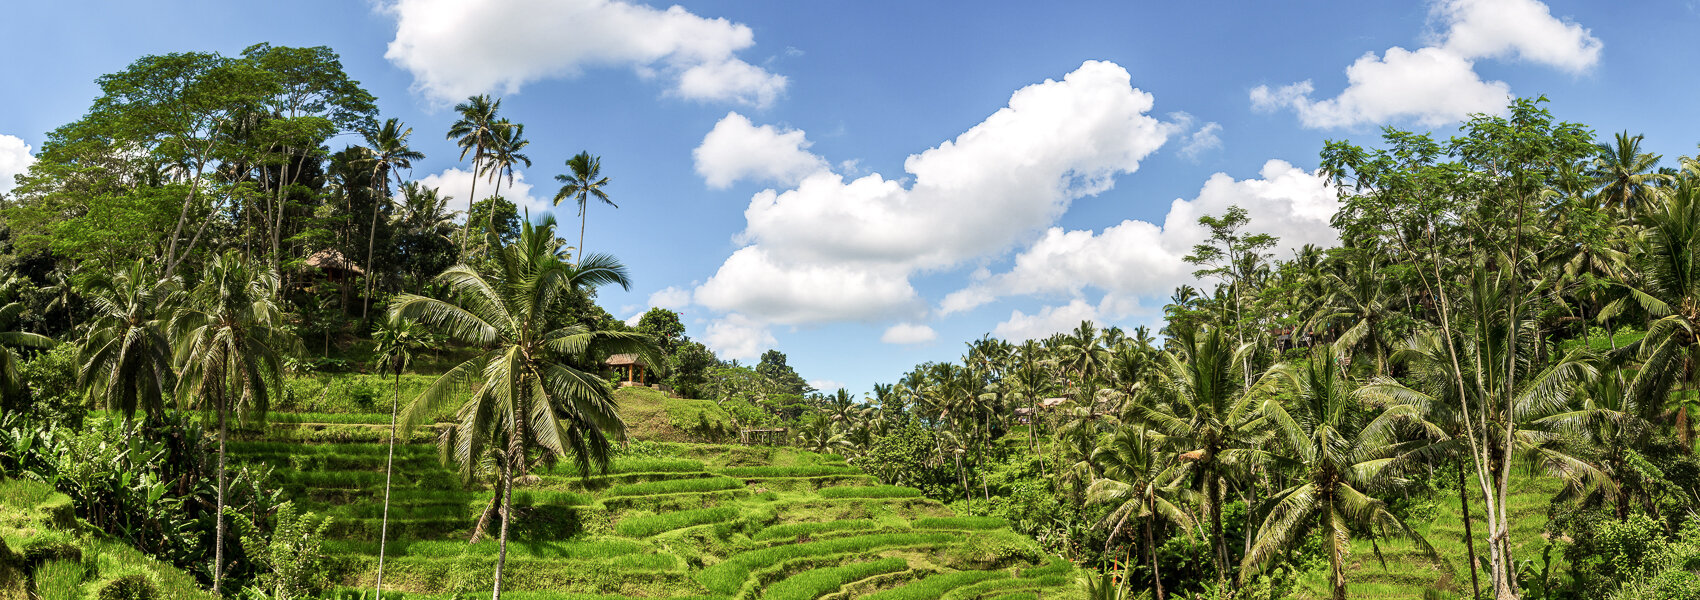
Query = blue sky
x=868 y=185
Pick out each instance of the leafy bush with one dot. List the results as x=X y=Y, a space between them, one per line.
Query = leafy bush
x=883 y=491
x=650 y=525
x=292 y=554
x=812 y=584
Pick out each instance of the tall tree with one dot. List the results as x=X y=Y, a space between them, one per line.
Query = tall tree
x=126 y=358
x=583 y=183
x=1141 y=485
x=387 y=151
x=475 y=132
x=529 y=390
x=395 y=339
x=229 y=349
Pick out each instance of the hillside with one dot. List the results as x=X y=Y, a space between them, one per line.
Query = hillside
x=668 y=520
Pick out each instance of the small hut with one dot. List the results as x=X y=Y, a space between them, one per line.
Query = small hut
x=630 y=367
x=334 y=266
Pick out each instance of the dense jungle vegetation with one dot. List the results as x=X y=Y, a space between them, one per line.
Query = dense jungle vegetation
x=237 y=360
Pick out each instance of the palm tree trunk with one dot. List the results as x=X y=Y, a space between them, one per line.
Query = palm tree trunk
x=218 y=544
x=1469 y=537
x=507 y=515
x=966 y=491
x=583 y=215
x=389 y=468
x=1213 y=495
x=371 y=242
x=471 y=198
x=1151 y=547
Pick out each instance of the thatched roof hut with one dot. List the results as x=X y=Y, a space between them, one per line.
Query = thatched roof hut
x=330 y=261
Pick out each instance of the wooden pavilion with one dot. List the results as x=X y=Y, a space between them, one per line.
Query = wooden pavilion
x=631 y=368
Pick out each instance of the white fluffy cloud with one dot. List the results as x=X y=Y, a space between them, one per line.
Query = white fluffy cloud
x=1206 y=138
x=825 y=385
x=1438 y=83
x=739 y=337
x=15 y=159
x=736 y=150
x=833 y=249
x=1021 y=327
x=1136 y=258
x=457 y=48
x=908 y=333
x=670 y=298
x=457 y=184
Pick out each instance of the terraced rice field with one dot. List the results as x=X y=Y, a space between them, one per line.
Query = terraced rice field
x=1408 y=573
x=682 y=521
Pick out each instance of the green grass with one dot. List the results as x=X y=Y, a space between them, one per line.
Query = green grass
x=674 y=486
x=792 y=471
x=934 y=586
x=633 y=465
x=960 y=523
x=654 y=415
x=59 y=580
x=646 y=526
x=814 y=583
x=792 y=530
x=729 y=575
x=882 y=491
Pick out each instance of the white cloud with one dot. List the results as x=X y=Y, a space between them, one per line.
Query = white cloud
x=1438 y=84
x=738 y=150
x=1524 y=29
x=670 y=298
x=1204 y=139
x=833 y=249
x=908 y=333
x=1051 y=319
x=825 y=385
x=1137 y=258
x=458 y=48
x=15 y=159
x=736 y=336
x=456 y=184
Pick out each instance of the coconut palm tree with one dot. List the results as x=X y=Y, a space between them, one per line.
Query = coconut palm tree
x=475 y=131
x=1344 y=453
x=1360 y=297
x=386 y=151
x=1669 y=291
x=1199 y=405
x=229 y=350
x=1143 y=484
x=530 y=388
x=1629 y=174
x=10 y=382
x=396 y=337
x=126 y=358
x=585 y=182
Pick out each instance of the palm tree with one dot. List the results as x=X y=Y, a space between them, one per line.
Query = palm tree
x=505 y=152
x=585 y=182
x=1628 y=173
x=229 y=350
x=1142 y=486
x=126 y=358
x=1359 y=296
x=386 y=150
x=396 y=337
x=1200 y=405
x=10 y=383
x=529 y=388
x=474 y=132
x=1082 y=355
x=1344 y=454
x=1669 y=291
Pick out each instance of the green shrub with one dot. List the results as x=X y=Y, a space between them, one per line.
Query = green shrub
x=960 y=523
x=934 y=586
x=59 y=580
x=673 y=486
x=791 y=530
x=883 y=491
x=650 y=525
x=129 y=586
x=812 y=584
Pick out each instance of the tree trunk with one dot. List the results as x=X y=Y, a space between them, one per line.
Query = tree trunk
x=583 y=215
x=1151 y=547
x=1469 y=537
x=371 y=242
x=507 y=515
x=218 y=544
x=471 y=198
x=1213 y=495
x=389 y=468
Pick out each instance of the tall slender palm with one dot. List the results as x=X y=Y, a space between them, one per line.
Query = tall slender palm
x=126 y=358
x=229 y=350
x=475 y=132
x=585 y=182
x=1345 y=454
x=1360 y=296
x=529 y=387
x=386 y=152
x=1085 y=357
x=1629 y=174
x=396 y=337
x=1142 y=485
x=505 y=153
x=1200 y=405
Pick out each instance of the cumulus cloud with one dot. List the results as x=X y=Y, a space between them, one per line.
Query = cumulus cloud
x=908 y=333
x=1137 y=258
x=754 y=282
x=737 y=149
x=458 y=48
x=825 y=385
x=15 y=159
x=1438 y=84
x=458 y=184
x=670 y=298
x=1021 y=327
x=739 y=337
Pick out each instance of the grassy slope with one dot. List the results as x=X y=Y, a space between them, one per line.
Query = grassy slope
x=1408 y=574
x=39 y=534
x=654 y=415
